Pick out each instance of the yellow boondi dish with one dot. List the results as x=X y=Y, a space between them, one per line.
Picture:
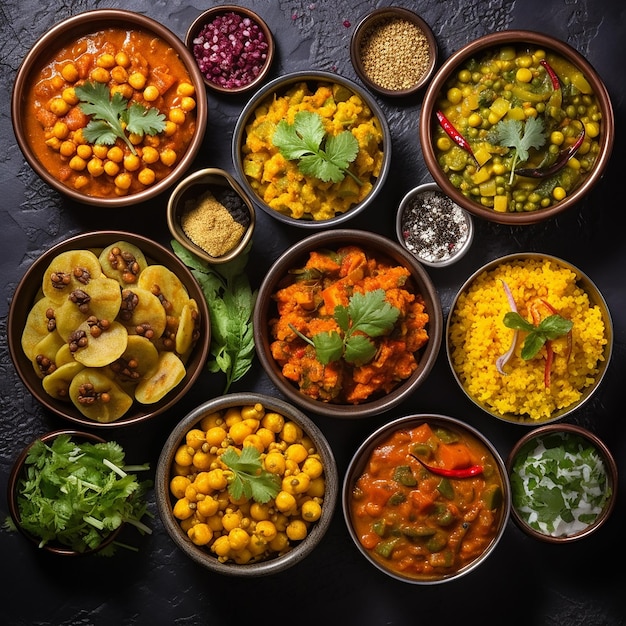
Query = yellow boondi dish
x=564 y=369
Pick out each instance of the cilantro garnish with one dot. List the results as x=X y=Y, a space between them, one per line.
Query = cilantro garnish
x=78 y=493
x=230 y=299
x=111 y=116
x=249 y=478
x=521 y=137
x=549 y=328
x=367 y=315
x=320 y=155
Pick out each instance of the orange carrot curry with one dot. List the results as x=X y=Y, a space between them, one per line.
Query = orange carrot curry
x=425 y=523
x=349 y=326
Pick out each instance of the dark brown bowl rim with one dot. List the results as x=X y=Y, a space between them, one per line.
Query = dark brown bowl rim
x=204 y=17
x=370 y=241
x=12 y=493
x=23 y=298
x=371 y=19
x=216 y=176
x=595 y=297
x=83 y=24
x=490 y=41
x=282 y=83
x=611 y=471
x=204 y=557
x=361 y=455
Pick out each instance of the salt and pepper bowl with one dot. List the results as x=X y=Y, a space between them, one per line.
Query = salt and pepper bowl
x=432 y=227
x=394 y=52
x=191 y=189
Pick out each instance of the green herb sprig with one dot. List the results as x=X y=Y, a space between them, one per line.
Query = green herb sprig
x=521 y=137
x=230 y=299
x=549 y=328
x=249 y=479
x=319 y=154
x=112 y=117
x=367 y=315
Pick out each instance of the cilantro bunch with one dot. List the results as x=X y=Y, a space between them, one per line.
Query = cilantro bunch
x=111 y=116
x=77 y=494
x=249 y=479
x=319 y=154
x=367 y=315
x=521 y=137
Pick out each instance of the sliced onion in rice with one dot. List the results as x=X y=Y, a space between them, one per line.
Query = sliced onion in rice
x=504 y=359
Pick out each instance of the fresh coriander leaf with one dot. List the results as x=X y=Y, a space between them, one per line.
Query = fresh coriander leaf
x=371 y=313
x=329 y=346
x=322 y=156
x=230 y=299
x=111 y=113
x=359 y=350
x=549 y=328
x=521 y=137
x=250 y=479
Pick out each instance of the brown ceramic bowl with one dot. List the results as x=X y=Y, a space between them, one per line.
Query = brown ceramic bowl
x=189 y=190
x=375 y=246
x=321 y=211
x=234 y=80
x=597 y=467
x=89 y=23
x=255 y=558
x=476 y=336
x=394 y=52
x=457 y=173
x=18 y=473
x=28 y=291
x=393 y=444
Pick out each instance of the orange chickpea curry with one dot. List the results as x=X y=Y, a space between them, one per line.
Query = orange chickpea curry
x=111 y=113
x=349 y=326
x=425 y=521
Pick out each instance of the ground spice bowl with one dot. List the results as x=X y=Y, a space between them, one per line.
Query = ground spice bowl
x=193 y=186
x=261 y=70
x=417 y=55
x=440 y=231
x=527 y=444
x=17 y=473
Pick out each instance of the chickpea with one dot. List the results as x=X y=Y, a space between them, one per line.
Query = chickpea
x=106 y=60
x=291 y=432
x=185 y=89
x=187 y=104
x=132 y=162
x=146 y=176
x=60 y=130
x=182 y=509
x=238 y=539
x=115 y=154
x=280 y=542
x=69 y=72
x=125 y=90
x=240 y=430
x=178 y=485
x=119 y=74
x=69 y=96
x=296 y=452
x=285 y=501
x=77 y=164
x=84 y=151
x=80 y=182
x=207 y=507
x=150 y=93
x=266 y=529
x=231 y=520
x=266 y=436
x=311 y=511
x=100 y=151
x=150 y=155
x=168 y=157
x=313 y=467
x=275 y=463
x=221 y=546
x=184 y=455
x=170 y=128
x=58 y=106
x=259 y=512
x=254 y=441
x=200 y=534
x=68 y=148
x=177 y=116
x=100 y=75
x=317 y=487
x=215 y=436
x=137 y=80
x=273 y=421
x=296 y=530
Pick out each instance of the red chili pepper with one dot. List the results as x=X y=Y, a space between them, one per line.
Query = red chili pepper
x=556 y=83
x=454 y=134
x=561 y=161
x=465 y=472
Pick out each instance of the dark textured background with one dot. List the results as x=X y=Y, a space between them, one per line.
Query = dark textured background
x=582 y=583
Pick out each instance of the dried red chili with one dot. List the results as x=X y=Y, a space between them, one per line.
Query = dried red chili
x=454 y=134
x=464 y=472
x=556 y=83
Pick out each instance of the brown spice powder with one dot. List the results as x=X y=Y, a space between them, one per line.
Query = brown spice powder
x=395 y=54
x=209 y=224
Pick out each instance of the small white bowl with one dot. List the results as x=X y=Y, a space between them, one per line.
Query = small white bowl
x=439 y=232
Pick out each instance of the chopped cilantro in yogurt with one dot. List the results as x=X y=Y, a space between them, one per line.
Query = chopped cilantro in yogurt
x=559 y=484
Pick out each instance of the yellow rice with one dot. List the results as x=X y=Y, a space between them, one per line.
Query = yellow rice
x=478 y=337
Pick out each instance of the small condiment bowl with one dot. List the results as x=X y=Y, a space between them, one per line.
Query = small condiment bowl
x=19 y=472
x=394 y=52
x=264 y=38
x=30 y=135
x=478 y=342
x=559 y=438
x=433 y=227
x=274 y=422
x=187 y=195
x=391 y=503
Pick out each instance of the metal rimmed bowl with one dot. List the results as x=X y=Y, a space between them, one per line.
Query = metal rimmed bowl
x=192 y=121
x=29 y=290
x=577 y=464
x=375 y=247
x=482 y=186
x=539 y=389
x=256 y=554
x=302 y=200
x=231 y=69
x=394 y=52
x=401 y=534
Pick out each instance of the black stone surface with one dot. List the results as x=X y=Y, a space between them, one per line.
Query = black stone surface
x=524 y=581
